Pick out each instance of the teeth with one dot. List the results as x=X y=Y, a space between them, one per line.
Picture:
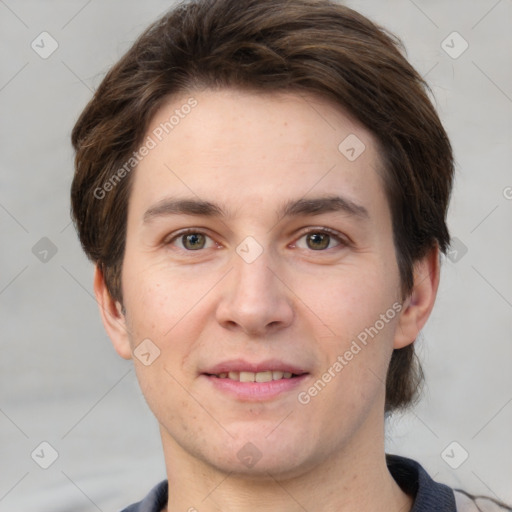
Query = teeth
x=262 y=376
x=246 y=376
x=266 y=376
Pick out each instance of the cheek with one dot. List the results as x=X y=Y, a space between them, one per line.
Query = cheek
x=348 y=300
x=360 y=311
x=171 y=309
x=160 y=301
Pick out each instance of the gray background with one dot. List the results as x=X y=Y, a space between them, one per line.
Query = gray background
x=60 y=379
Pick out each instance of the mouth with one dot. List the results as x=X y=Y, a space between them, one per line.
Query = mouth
x=265 y=376
x=254 y=382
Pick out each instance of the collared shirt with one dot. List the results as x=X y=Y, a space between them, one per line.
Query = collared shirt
x=429 y=496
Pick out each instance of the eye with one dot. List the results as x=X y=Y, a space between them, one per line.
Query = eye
x=319 y=240
x=191 y=241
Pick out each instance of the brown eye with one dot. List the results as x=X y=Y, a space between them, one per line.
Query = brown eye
x=318 y=241
x=193 y=241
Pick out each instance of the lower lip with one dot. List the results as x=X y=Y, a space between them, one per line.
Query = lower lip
x=256 y=390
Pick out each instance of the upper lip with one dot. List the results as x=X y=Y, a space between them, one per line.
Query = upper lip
x=241 y=365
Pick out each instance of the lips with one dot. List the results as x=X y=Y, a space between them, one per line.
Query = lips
x=247 y=381
x=265 y=376
x=245 y=371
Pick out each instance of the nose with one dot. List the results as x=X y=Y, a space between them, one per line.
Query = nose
x=255 y=299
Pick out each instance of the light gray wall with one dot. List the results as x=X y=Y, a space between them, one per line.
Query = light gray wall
x=60 y=380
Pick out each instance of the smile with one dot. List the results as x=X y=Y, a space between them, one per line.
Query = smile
x=265 y=376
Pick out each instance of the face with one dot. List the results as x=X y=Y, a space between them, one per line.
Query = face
x=259 y=244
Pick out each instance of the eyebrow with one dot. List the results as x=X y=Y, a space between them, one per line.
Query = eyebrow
x=292 y=208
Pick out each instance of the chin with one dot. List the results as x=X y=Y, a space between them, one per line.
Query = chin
x=265 y=469
x=255 y=456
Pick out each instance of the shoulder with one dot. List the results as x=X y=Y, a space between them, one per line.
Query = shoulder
x=430 y=495
x=414 y=480
x=155 y=501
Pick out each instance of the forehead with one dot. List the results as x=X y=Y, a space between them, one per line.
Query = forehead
x=251 y=150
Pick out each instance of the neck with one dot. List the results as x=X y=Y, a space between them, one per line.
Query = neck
x=354 y=479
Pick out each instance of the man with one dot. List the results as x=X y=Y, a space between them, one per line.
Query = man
x=263 y=188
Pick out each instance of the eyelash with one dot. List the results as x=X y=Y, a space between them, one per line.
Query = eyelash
x=342 y=241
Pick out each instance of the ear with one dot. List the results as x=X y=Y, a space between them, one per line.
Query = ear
x=112 y=316
x=418 y=306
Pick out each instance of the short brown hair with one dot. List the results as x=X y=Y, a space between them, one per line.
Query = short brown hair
x=304 y=46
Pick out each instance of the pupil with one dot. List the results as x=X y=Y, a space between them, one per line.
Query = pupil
x=193 y=241
x=319 y=241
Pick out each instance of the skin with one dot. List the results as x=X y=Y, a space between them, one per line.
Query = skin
x=250 y=153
